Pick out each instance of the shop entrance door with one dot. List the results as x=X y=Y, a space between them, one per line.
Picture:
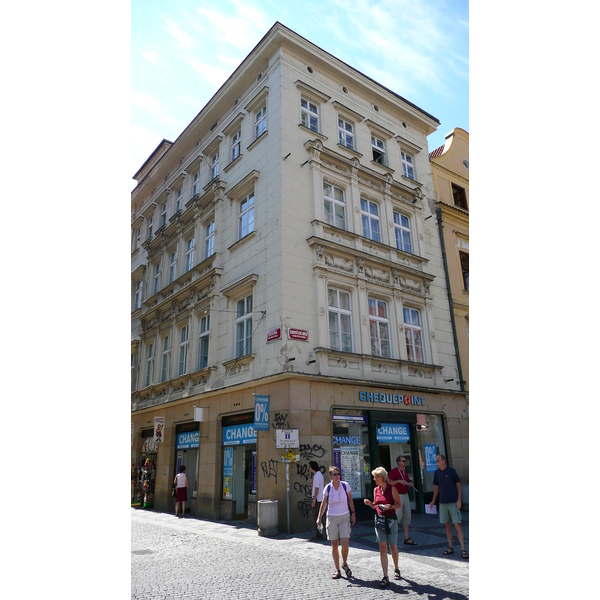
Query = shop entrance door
x=387 y=456
x=241 y=486
x=189 y=459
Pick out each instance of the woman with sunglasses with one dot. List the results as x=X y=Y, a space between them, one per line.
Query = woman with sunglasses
x=340 y=514
x=385 y=501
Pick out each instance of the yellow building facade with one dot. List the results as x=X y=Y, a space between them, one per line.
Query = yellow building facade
x=450 y=171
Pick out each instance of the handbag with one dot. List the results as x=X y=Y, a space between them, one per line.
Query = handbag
x=380 y=522
x=173 y=493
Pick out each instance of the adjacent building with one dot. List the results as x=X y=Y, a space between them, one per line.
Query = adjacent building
x=287 y=275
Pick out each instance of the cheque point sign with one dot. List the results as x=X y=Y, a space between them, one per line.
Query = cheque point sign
x=385 y=398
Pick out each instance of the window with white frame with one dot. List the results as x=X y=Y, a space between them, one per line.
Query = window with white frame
x=246 y=216
x=378 y=148
x=172 y=266
x=189 y=254
x=183 y=349
x=340 y=320
x=150 y=225
x=309 y=113
x=243 y=327
x=163 y=214
x=203 y=334
x=260 y=121
x=346 y=133
x=413 y=334
x=156 y=285
x=335 y=205
x=214 y=167
x=164 y=365
x=408 y=169
x=379 y=328
x=236 y=144
x=137 y=300
x=149 y=364
x=138 y=238
x=133 y=372
x=403 y=232
x=195 y=184
x=178 y=200
x=369 y=212
x=209 y=239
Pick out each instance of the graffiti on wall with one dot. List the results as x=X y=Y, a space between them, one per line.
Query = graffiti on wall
x=270 y=469
x=280 y=421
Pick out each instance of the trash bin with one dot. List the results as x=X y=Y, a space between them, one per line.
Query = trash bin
x=268 y=518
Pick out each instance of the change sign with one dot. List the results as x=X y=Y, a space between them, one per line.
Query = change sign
x=261 y=413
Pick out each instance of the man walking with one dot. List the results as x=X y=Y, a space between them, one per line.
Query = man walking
x=399 y=478
x=447 y=482
x=317 y=495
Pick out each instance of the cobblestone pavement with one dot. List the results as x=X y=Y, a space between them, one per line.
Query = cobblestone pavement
x=175 y=558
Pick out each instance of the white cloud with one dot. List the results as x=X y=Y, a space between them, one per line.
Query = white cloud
x=152 y=57
x=183 y=39
x=152 y=105
x=211 y=73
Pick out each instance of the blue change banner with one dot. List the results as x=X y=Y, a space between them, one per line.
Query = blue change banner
x=189 y=439
x=228 y=462
x=236 y=435
x=393 y=432
x=430 y=453
x=261 y=413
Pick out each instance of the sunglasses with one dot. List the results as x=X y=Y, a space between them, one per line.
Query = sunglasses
x=335 y=474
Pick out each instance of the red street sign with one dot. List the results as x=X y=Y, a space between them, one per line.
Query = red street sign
x=298 y=334
x=274 y=334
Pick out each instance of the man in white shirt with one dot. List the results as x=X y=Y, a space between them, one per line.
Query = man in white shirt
x=317 y=495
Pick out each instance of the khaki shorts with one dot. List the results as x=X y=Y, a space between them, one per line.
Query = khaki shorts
x=403 y=513
x=449 y=513
x=338 y=526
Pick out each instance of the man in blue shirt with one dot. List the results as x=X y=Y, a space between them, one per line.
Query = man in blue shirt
x=447 y=482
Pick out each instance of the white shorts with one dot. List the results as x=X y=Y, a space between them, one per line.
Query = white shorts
x=338 y=526
x=404 y=513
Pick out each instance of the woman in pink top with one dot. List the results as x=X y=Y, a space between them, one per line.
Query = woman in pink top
x=385 y=501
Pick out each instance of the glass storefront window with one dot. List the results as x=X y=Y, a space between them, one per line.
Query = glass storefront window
x=351 y=449
x=430 y=441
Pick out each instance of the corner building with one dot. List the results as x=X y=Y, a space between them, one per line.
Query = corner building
x=281 y=248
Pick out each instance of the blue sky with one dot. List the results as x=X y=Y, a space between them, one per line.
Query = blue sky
x=182 y=52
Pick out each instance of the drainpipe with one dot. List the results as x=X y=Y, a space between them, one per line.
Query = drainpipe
x=438 y=214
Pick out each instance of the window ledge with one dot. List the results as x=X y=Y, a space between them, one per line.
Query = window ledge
x=236 y=159
x=312 y=131
x=242 y=240
x=388 y=169
x=351 y=150
x=258 y=139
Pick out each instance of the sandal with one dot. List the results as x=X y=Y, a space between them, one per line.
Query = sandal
x=347 y=570
x=397 y=574
x=464 y=554
x=410 y=542
x=448 y=550
x=384 y=582
x=336 y=575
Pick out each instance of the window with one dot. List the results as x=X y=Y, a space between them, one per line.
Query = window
x=183 y=350
x=189 y=254
x=164 y=366
x=403 y=233
x=335 y=206
x=203 y=342
x=260 y=122
x=137 y=301
x=150 y=225
x=236 y=142
x=209 y=239
x=413 y=334
x=246 y=216
x=195 y=184
x=214 y=169
x=163 y=214
x=379 y=327
x=370 y=220
x=138 y=238
x=243 y=327
x=464 y=266
x=378 y=148
x=178 y=200
x=172 y=266
x=340 y=320
x=346 y=133
x=156 y=285
x=149 y=364
x=309 y=113
x=407 y=165
x=133 y=372
x=459 y=196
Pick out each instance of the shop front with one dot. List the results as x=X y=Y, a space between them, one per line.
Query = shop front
x=187 y=444
x=143 y=471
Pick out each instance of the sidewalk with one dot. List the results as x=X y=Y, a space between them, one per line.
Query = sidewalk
x=194 y=558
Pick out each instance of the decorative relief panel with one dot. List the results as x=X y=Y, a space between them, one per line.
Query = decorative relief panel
x=339 y=263
x=377 y=274
x=410 y=285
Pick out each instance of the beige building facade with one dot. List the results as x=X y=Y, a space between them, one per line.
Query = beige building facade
x=282 y=260
x=450 y=171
